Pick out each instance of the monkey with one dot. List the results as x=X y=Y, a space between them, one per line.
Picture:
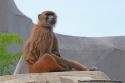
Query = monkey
x=42 y=36
x=41 y=50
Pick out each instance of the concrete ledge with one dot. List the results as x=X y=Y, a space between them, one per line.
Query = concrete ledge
x=54 y=77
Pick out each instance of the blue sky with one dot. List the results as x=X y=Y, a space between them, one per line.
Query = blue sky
x=92 y=18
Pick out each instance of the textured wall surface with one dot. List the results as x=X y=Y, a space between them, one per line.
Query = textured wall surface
x=12 y=20
x=106 y=53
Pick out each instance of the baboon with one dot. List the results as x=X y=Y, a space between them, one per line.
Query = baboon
x=41 y=51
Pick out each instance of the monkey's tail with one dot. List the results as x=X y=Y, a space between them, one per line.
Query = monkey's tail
x=77 y=66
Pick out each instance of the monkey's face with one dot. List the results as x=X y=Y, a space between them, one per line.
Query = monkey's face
x=47 y=18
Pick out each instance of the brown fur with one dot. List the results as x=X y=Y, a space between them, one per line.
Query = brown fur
x=41 y=51
x=39 y=43
x=46 y=63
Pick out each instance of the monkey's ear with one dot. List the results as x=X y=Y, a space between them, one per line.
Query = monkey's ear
x=39 y=16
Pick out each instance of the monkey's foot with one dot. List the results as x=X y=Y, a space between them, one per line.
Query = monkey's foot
x=93 y=69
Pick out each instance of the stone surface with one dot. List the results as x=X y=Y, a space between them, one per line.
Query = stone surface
x=55 y=77
x=105 y=53
x=74 y=79
x=12 y=20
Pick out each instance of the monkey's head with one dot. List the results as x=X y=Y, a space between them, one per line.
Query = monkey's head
x=47 y=19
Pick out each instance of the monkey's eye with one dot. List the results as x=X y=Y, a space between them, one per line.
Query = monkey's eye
x=51 y=17
x=49 y=13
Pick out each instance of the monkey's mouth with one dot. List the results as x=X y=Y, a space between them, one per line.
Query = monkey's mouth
x=53 y=22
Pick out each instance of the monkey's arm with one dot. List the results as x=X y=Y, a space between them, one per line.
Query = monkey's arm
x=26 y=52
x=27 y=44
x=55 y=49
x=27 y=49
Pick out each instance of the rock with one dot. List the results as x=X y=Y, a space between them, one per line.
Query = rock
x=55 y=77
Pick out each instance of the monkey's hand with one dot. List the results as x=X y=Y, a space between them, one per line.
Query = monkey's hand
x=30 y=59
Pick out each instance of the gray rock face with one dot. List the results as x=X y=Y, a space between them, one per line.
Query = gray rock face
x=12 y=20
x=106 y=53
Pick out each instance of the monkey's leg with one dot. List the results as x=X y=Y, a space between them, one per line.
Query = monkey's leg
x=69 y=64
x=45 y=63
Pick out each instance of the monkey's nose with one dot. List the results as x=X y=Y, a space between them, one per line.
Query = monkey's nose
x=51 y=17
x=53 y=21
